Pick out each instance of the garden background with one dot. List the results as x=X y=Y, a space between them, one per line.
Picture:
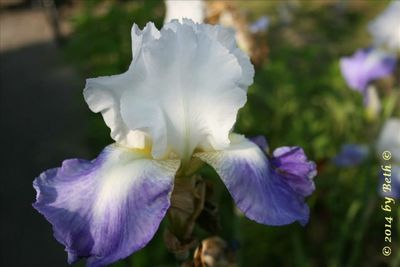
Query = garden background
x=299 y=97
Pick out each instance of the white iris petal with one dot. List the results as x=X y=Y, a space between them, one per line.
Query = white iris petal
x=103 y=94
x=182 y=91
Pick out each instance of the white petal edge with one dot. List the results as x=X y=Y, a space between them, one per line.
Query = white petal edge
x=103 y=94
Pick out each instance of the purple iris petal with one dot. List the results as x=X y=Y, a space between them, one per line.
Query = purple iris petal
x=261 y=141
x=107 y=208
x=267 y=193
x=366 y=65
x=292 y=165
x=351 y=155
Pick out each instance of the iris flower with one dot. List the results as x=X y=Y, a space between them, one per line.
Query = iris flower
x=369 y=64
x=176 y=105
x=366 y=65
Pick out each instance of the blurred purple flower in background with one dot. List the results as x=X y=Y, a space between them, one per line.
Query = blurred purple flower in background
x=351 y=155
x=177 y=103
x=366 y=65
x=369 y=64
x=260 y=25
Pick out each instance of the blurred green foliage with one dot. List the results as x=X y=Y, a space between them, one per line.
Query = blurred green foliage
x=298 y=98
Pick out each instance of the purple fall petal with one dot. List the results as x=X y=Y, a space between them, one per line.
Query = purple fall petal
x=261 y=141
x=107 y=208
x=292 y=165
x=266 y=193
x=366 y=65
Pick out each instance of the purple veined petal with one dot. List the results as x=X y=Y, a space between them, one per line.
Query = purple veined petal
x=292 y=163
x=108 y=208
x=351 y=155
x=263 y=193
x=366 y=65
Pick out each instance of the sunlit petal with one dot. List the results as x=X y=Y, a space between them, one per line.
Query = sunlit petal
x=190 y=91
x=103 y=94
x=265 y=192
x=107 y=208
